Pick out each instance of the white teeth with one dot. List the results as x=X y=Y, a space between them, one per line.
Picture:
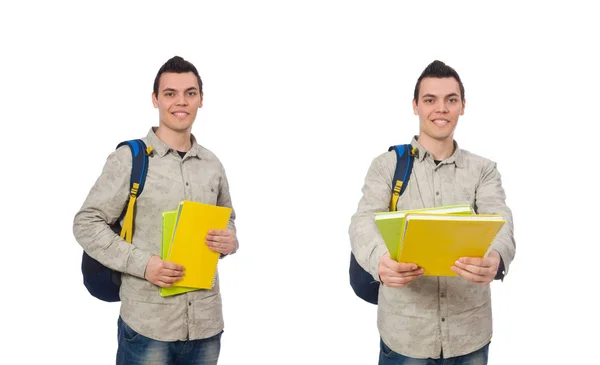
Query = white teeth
x=440 y=122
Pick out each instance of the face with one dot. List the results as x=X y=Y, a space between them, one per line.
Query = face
x=438 y=108
x=178 y=100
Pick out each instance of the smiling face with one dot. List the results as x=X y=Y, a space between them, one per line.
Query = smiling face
x=178 y=100
x=438 y=106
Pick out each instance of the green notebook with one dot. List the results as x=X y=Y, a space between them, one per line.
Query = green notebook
x=168 y=226
x=390 y=223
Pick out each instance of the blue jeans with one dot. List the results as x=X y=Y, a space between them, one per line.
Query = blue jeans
x=135 y=349
x=389 y=357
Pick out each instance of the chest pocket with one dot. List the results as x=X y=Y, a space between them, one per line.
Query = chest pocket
x=208 y=194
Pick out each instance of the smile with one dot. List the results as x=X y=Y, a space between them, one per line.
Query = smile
x=440 y=122
x=180 y=114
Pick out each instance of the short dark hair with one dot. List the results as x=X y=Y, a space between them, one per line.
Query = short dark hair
x=176 y=65
x=439 y=69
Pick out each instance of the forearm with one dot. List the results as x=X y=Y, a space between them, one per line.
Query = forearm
x=103 y=206
x=98 y=239
x=365 y=239
x=224 y=200
x=490 y=199
x=366 y=242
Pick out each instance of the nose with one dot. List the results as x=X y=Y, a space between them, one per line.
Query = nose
x=442 y=107
x=181 y=100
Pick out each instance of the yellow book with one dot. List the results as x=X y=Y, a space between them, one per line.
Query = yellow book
x=188 y=247
x=434 y=242
x=168 y=227
x=390 y=224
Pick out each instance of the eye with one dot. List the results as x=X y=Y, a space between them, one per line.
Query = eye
x=169 y=94
x=429 y=101
x=453 y=100
x=192 y=93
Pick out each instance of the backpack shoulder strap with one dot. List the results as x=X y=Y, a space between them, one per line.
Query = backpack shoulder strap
x=405 y=154
x=139 y=170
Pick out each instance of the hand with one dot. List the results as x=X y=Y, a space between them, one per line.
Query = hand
x=162 y=273
x=397 y=274
x=221 y=241
x=478 y=270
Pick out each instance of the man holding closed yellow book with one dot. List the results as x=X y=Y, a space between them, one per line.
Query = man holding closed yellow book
x=152 y=329
x=429 y=319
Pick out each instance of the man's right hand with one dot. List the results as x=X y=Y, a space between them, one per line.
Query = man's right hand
x=397 y=274
x=162 y=273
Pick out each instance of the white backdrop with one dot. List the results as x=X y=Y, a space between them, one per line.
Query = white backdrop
x=299 y=98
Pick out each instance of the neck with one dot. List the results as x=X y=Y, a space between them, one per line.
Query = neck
x=176 y=140
x=439 y=149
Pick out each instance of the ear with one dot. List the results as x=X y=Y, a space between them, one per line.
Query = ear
x=462 y=110
x=415 y=108
x=154 y=100
x=201 y=99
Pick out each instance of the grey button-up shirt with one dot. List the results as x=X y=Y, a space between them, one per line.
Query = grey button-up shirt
x=200 y=177
x=432 y=314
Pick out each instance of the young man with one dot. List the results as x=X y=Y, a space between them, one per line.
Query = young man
x=185 y=328
x=424 y=319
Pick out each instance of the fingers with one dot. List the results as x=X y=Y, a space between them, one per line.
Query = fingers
x=171 y=273
x=477 y=261
x=396 y=266
x=399 y=282
x=173 y=266
x=477 y=270
x=396 y=279
x=474 y=273
x=220 y=233
x=221 y=241
x=225 y=246
x=224 y=249
x=478 y=279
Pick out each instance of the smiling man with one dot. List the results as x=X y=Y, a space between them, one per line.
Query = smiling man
x=425 y=319
x=184 y=328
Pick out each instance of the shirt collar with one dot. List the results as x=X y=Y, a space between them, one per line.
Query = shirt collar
x=422 y=153
x=161 y=148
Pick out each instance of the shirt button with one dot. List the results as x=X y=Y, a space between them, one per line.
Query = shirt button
x=189 y=303
x=437 y=193
x=187 y=184
x=443 y=295
x=443 y=319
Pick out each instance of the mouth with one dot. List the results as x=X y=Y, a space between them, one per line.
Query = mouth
x=180 y=114
x=440 y=122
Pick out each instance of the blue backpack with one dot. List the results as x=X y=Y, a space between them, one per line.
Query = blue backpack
x=363 y=283
x=102 y=282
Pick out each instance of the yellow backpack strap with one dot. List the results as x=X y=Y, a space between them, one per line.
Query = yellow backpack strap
x=127 y=230
x=404 y=161
x=395 y=195
x=139 y=169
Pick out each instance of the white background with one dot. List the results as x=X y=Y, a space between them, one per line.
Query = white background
x=299 y=98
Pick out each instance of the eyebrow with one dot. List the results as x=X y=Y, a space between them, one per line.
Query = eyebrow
x=188 y=89
x=434 y=96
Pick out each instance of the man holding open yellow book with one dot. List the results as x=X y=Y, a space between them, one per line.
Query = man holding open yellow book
x=184 y=328
x=424 y=319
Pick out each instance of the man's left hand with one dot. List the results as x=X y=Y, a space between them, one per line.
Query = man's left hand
x=478 y=270
x=221 y=241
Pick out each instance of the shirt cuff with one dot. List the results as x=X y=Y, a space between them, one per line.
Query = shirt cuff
x=500 y=273
x=137 y=262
